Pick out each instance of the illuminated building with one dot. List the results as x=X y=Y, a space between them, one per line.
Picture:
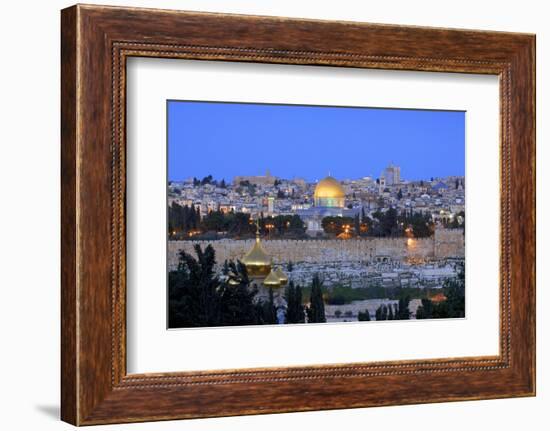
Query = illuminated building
x=257 y=261
x=272 y=280
x=283 y=278
x=259 y=267
x=329 y=200
x=392 y=175
x=270 y=205
x=259 y=180
x=329 y=194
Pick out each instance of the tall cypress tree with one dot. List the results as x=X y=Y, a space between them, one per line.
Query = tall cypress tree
x=399 y=194
x=267 y=310
x=390 y=312
x=192 y=217
x=403 y=312
x=295 y=309
x=299 y=306
x=363 y=316
x=425 y=311
x=316 y=309
x=289 y=296
x=357 y=225
x=198 y=215
x=384 y=314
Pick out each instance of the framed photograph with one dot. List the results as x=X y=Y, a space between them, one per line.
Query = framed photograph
x=266 y=215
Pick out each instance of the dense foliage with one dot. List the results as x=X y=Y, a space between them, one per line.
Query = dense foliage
x=454 y=304
x=295 y=312
x=198 y=297
x=185 y=222
x=384 y=224
x=316 y=308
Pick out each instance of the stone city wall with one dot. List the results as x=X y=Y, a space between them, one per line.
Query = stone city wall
x=444 y=244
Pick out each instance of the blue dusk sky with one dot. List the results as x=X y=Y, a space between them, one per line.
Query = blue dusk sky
x=229 y=139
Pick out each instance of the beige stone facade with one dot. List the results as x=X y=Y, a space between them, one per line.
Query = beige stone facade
x=445 y=243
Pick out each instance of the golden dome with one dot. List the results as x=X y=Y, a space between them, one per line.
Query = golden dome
x=257 y=261
x=233 y=282
x=272 y=280
x=329 y=193
x=282 y=276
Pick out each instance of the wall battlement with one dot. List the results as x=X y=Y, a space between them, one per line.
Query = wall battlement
x=445 y=243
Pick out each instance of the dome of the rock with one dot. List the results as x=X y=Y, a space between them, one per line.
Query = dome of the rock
x=329 y=193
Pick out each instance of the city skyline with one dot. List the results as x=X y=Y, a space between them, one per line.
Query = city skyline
x=231 y=139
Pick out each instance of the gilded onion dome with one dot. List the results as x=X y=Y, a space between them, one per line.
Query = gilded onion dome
x=282 y=276
x=329 y=193
x=233 y=282
x=272 y=280
x=257 y=261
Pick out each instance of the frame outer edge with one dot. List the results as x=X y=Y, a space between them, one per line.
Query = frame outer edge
x=523 y=216
x=87 y=397
x=69 y=196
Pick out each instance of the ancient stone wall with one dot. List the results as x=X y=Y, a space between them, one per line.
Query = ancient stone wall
x=445 y=243
x=448 y=243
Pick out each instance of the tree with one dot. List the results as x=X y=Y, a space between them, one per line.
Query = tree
x=296 y=225
x=399 y=194
x=453 y=289
x=363 y=316
x=223 y=185
x=267 y=311
x=237 y=301
x=198 y=298
x=336 y=224
x=206 y=180
x=316 y=309
x=386 y=223
x=382 y=312
x=295 y=308
x=357 y=224
x=390 y=313
x=425 y=311
x=421 y=224
x=193 y=291
x=403 y=312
